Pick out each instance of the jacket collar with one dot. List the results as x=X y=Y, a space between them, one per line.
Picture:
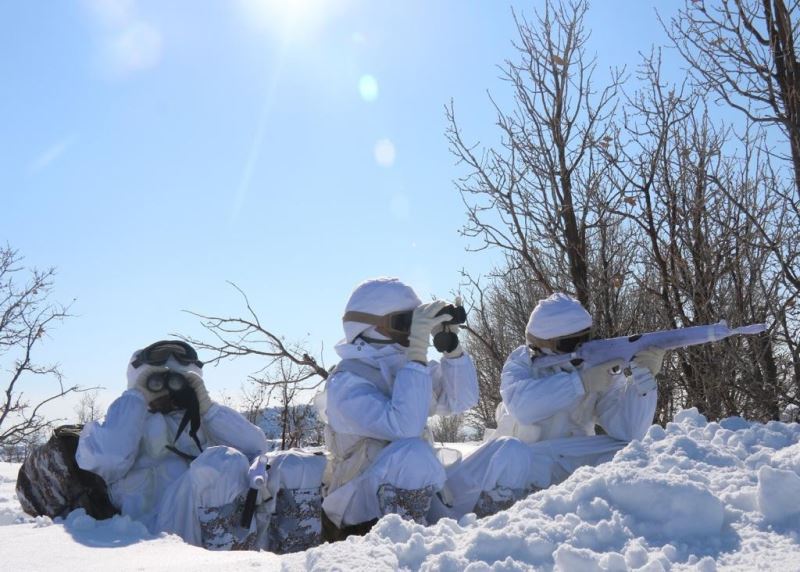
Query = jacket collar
x=388 y=358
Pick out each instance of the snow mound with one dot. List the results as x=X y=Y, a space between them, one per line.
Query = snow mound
x=10 y=510
x=691 y=496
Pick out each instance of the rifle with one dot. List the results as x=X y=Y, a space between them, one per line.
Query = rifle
x=257 y=475
x=595 y=352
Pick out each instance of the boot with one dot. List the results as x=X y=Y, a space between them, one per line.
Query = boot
x=220 y=527
x=410 y=504
x=296 y=523
x=499 y=498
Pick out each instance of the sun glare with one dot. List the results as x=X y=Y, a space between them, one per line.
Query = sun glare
x=293 y=19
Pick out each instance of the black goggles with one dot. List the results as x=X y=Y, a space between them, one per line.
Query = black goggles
x=564 y=345
x=159 y=352
x=570 y=344
x=169 y=380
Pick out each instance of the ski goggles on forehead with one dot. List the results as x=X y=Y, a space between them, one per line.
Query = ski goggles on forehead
x=159 y=352
x=396 y=323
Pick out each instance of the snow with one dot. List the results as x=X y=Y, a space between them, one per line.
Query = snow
x=691 y=496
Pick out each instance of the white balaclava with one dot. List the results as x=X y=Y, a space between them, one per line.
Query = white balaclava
x=137 y=375
x=378 y=296
x=557 y=316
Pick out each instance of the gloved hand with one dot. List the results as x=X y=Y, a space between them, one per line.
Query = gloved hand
x=423 y=321
x=196 y=383
x=643 y=378
x=141 y=385
x=599 y=377
x=651 y=358
x=458 y=351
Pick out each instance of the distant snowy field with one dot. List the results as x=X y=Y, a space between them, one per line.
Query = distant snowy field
x=694 y=496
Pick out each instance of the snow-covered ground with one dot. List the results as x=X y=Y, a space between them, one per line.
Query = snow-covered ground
x=694 y=496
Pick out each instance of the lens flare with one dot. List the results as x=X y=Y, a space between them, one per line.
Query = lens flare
x=384 y=153
x=368 y=88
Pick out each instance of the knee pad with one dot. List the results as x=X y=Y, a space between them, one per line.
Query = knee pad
x=409 y=504
x=295 y=480
x=220 y=527
x=499 y=498
x=296 y=524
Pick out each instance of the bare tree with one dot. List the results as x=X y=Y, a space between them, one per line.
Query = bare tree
x=285 y=368
x=539 y=195
x=744 y=51
x=255 y=397
x=26 y=318
x=680 y=222
x=448 y=429
x=88 y=408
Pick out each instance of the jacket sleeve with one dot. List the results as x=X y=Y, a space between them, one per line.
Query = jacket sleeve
x=109 y=448
x=530 y=398
x=224 y=426
x=356 y=406
x=455 y=385
x=627 y=409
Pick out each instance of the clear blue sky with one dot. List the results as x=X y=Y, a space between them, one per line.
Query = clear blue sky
x=153 y=150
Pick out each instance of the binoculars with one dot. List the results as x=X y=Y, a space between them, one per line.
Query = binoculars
x=458 y=313
x=181 y=394
x=447 y=341
x=169 y=380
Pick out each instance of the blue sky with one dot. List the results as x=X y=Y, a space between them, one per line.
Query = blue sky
x=151 y=151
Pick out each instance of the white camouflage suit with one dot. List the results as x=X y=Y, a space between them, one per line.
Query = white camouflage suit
x=376 y=407
x=552 y=410
x=156 y=486
x=377 y=427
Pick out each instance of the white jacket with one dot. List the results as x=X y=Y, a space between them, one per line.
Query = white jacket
x=391 y=400
x=543 y=404
x=128 y=449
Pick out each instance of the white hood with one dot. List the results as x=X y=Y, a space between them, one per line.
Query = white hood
x=556 y=316
x=378 y=296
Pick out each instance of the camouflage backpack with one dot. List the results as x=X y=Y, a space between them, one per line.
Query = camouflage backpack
x=50 y=483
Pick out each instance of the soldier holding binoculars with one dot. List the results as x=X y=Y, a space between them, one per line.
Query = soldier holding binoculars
x=171 y=479
x=376 y=406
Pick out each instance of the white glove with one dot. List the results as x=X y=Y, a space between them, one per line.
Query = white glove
x=643 y=378
x=599 y=377
x=651 y=358
x=423 y=321
x=196 y=383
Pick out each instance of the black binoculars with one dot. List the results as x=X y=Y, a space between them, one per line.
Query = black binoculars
x=169 y=380
x=181 y=394
x=447 y=341
x=458 y=313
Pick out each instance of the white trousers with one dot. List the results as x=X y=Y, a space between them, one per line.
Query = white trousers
x=213 y=479
x=405 y=464
x=508 y=462
x=569 y=453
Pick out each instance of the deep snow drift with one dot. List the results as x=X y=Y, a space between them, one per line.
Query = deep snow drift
x=694 y=496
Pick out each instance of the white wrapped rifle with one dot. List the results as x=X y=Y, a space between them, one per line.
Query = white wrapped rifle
x=257 y=476
x=596 y=352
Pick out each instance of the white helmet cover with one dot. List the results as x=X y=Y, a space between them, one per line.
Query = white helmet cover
x=378 y=296
x=556 y=316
